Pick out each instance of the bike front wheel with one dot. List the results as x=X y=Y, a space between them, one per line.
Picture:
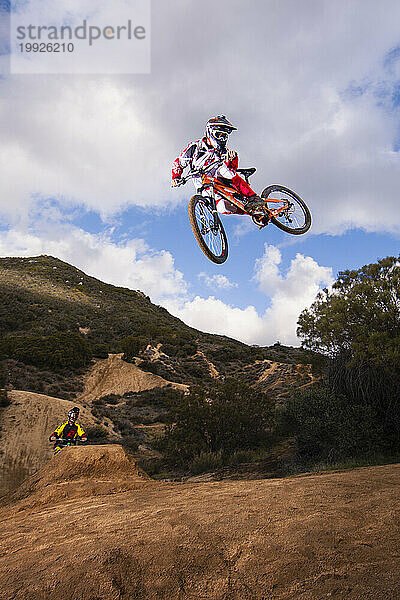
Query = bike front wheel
x=287 y=210
x=208 y=230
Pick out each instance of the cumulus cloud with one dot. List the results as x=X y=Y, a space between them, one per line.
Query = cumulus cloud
x=130 y=264
x=217 y=281
x=89 y=145
x=322 y=121
x=214 y=316
x=289 y=294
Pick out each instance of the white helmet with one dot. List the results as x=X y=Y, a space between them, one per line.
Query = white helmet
x=217 y=131
x=73 y=414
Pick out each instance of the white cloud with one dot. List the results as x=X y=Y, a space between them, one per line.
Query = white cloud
x=131 y=264
x=217 y=281
x=90 y=144
x=289 y=294
x=214 y=316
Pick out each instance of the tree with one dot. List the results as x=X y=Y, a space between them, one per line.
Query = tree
x=326 y=426
x=359 y=317
x=357 y=324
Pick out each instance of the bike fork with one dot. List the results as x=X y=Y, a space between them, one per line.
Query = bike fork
x=213 y=206
x=209 y=196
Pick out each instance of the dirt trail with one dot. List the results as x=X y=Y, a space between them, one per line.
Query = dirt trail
x=334 y=535
x=272 y=367
x=115 y=376
x=26 y=425
x=211 y=367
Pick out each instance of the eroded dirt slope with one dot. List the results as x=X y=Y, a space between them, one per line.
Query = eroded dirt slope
x=277 y=379
x=115 y=376
x=25 y=428
x=322 y=536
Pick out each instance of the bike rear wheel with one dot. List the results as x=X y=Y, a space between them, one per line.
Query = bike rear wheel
x=288 y=211
x=208 y=230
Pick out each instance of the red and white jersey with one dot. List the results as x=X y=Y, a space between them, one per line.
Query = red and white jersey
x=200 y=154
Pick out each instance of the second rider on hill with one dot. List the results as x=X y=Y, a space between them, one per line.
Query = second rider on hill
x=70 y=431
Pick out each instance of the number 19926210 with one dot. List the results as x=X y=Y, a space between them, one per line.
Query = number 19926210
x=49 y=47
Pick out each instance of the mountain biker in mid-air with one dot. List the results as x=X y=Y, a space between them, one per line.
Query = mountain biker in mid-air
x=69 y=431
x=210 y=148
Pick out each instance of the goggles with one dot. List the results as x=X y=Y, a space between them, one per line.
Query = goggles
x=220 y=136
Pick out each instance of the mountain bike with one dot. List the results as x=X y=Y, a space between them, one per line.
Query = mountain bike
x=283 y=208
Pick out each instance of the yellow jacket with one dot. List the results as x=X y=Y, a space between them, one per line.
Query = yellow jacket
x=67 y=431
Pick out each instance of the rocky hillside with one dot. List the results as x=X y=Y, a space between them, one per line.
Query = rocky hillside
x=54 y=319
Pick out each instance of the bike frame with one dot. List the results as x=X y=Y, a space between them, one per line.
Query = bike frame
x=229 y=193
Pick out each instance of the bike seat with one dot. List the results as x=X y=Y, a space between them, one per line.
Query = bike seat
x=247 y=172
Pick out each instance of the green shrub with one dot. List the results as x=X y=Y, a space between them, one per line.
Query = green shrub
x=195 y=370
x=96 y=433
x=151 y=367
x=326 y=426
x=206 y=462
x=98 y=402
x=243 y=456
x=132 y=346
x=4 y=400
x=60 y=351
x=158 y=397
x=99 y=350
x=111 y=399
x=125 y=427
x=152 y=466
x=131 y=443
x=179 y=348
x=3 y=374
x=229 y=417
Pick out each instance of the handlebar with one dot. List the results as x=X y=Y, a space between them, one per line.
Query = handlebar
x=66 y=441
x=198 y=172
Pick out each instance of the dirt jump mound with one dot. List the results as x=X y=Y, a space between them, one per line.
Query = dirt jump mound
x=82 y=471
x=115 y=376
x=89 y=462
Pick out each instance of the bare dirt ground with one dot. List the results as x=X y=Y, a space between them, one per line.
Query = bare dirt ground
x=117 y=535
x=25 y=427
x=114 y=376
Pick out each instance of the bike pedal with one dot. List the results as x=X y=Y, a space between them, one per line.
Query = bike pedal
x=261 y=222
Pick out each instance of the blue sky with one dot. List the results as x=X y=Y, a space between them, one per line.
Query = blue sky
x=172 y=231
x=85 y=169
